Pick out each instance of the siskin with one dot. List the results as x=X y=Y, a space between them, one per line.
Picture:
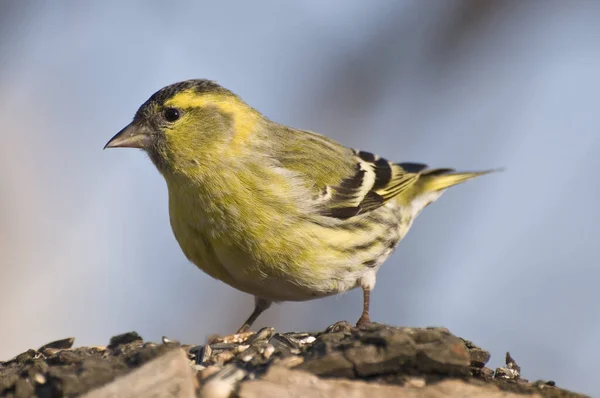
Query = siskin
x=276 y=212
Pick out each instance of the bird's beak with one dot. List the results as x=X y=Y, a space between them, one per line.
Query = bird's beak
x=132 y=136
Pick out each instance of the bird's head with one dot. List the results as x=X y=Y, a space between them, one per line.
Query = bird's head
x=190 y=125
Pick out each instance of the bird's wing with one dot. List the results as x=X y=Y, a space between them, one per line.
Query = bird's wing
x=346 y=182
x=374 y=182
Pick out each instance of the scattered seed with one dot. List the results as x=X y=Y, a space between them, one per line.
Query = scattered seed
x=511 y=364
x=283 y=342
x=59 y=344
x=307 y=340
x=203 y=355
x=39 y=378
x=50 y=351
x=263 y=334
x=296 y=335
x=219 y=347
x=240 y=348
x=269 y=350
x=506 y=373
x=233 y=338
x=223 y=357
x=194 y=350
x=247 y=358
x=167 y=340
x=341 y=326
x=124 y=338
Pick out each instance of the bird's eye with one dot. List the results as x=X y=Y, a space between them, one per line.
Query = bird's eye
x=171 y=114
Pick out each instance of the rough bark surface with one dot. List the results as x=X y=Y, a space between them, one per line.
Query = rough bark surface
x=342 y=361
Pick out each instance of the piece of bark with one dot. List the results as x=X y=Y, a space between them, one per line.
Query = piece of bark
x=168 y=376
x=399 y=357
x=281 y=382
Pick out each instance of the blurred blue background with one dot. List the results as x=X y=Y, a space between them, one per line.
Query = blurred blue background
x=509 y=261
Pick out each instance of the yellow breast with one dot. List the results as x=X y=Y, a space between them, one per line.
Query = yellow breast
x=250 y=249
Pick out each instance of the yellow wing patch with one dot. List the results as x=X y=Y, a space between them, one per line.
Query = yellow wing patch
x=374 y=183
x=400 y=180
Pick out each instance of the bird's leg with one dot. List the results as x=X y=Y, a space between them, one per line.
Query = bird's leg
x=364 y=318
x=260 y=305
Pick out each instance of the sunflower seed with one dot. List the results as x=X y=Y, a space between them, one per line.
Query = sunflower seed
x=284 y=343
x=223 y=357
x=338 y=327
x=203 y=355
x=167 y=340
x=263 y=334
x=39 y=378
x=307 y=340
x=296 y=335
x=220 y=347
x=59 y=344
x=233 y=338
x=257 y=348
x=269 y=350
x=240 y=348
x=50 y=351
x=194 y=350
x=123 y=339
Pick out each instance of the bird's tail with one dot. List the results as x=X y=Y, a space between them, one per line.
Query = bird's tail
x=432 y=183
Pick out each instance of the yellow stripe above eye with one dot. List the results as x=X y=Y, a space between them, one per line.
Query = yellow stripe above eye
x=244 y=117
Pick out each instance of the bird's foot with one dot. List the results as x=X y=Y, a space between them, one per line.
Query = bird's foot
x=363 y=321
x=245 y=328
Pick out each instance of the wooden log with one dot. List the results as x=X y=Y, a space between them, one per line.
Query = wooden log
x=168 y=376
x=280 y=382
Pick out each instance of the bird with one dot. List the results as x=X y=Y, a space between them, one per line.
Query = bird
x=277 y=212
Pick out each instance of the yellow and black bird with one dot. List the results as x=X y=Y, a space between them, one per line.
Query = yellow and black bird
x=277 y=212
